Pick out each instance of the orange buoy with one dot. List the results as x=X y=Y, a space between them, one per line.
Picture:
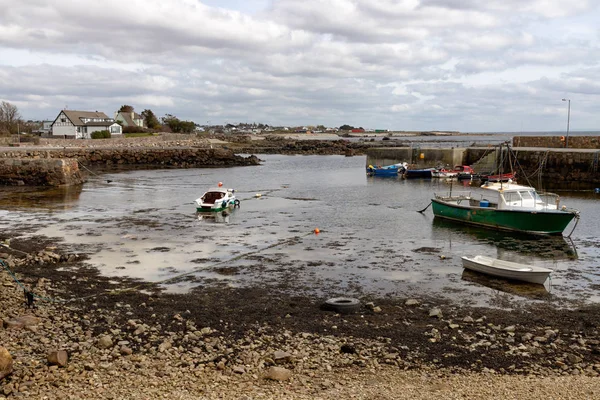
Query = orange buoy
x=220 y=184
x=317 y=231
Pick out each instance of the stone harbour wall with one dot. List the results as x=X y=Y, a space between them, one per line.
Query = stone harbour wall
x=557 y=142
x=183 y=157
x=40 y=172
x=39 y=166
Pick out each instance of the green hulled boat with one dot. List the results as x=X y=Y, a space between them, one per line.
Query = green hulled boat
x=513 y=208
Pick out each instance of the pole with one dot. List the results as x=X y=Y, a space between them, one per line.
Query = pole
x=568 y=122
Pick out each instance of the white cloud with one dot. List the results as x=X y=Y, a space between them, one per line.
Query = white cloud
x=403 y=64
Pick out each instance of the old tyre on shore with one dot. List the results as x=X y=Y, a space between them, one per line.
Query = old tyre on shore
x=342 y=305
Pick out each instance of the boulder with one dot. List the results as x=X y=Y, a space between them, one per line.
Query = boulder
x=6 y=363
x=58 y=357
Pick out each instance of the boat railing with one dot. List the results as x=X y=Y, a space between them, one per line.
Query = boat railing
x=453 y=196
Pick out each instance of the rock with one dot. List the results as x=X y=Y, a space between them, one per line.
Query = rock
x=278 y=374
x=105 y=342
x=58 y=357
x=6 y=363
x=239 y=370
x=468 y=319
x=22 y=322
x=509 y=328
x=411 y=302
x=435 y=312
x=126 y=351
x=166 y=345
x=281 y=357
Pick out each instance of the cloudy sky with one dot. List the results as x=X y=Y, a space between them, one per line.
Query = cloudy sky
x=466 y=65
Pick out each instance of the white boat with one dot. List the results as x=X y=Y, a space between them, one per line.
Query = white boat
x=443 y=173
x=506 y=269
x=217 y=199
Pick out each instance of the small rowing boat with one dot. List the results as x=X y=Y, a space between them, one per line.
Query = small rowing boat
x=506 y=269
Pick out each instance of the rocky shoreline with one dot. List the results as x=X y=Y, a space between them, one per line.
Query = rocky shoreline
x=126 y=339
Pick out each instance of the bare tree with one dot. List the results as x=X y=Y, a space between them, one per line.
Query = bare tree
x=9 y=117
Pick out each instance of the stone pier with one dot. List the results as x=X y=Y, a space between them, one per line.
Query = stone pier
x=60 y=166
x=40 y=172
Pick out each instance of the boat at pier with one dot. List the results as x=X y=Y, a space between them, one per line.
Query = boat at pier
x=506 y=206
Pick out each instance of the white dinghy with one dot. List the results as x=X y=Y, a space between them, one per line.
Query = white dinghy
x=506 y=269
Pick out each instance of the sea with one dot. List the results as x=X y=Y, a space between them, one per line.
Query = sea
x=309 y=225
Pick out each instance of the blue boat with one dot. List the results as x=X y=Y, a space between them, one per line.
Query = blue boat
x=418 y=173
x=388 y=170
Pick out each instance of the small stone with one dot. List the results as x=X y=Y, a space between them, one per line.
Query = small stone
x=278 y=374
x=105 y=342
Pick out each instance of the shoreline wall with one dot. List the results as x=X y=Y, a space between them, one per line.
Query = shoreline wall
x=40 y=172
x=556 y=142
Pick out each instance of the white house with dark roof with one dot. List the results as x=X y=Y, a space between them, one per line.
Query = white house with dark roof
x=130 y=119
x=81 y=124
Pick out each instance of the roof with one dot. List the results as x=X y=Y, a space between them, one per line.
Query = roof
x=77 y=117
x=505 y=186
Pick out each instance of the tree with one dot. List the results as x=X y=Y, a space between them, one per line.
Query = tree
x=346 y=128
x=150 y=119
x=178 y=126
x=126 y=109
x=9 y=117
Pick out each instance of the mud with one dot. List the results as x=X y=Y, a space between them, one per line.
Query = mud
x=271 y=306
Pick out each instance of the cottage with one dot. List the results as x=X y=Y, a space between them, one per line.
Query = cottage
x=129 y=119
x=81 y=124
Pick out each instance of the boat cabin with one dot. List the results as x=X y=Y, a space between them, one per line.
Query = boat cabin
x=511 y=196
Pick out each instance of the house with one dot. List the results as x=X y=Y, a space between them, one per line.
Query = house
x=71 y=124
x=130 y=119
x=44 y=130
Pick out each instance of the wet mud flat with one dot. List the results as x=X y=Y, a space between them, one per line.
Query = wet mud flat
x=407 y=333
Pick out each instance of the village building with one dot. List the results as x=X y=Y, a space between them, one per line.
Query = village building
x=71 y=124
x=129 y=119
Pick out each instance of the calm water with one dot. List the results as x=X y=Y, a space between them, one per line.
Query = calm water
x=373 y=241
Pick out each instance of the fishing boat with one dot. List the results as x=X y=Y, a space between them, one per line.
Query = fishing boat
x=506 y=206
x=388 y=170
x=506 y=269
x=217 y=199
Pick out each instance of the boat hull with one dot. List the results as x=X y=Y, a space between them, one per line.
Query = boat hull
x=418 y=173
x=541 y=222
x=507 y=270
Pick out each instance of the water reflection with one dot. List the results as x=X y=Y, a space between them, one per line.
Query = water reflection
x=509 y=243
x=219 y=217
x=524 y=289
x=48 y=198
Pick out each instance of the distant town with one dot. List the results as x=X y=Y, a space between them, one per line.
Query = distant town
x=78 y=124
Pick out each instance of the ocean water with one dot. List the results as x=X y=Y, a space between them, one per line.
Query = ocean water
x=372 y=240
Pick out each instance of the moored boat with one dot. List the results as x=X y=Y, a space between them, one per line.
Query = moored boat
x=425 y=173
x=506 y=269
x=512 y=207
x=216 y=199
x=388 y=170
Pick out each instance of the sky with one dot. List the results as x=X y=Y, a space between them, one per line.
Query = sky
x=454 y=65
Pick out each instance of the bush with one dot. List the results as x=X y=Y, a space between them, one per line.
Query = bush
x=135 y=129
x=101 y=135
